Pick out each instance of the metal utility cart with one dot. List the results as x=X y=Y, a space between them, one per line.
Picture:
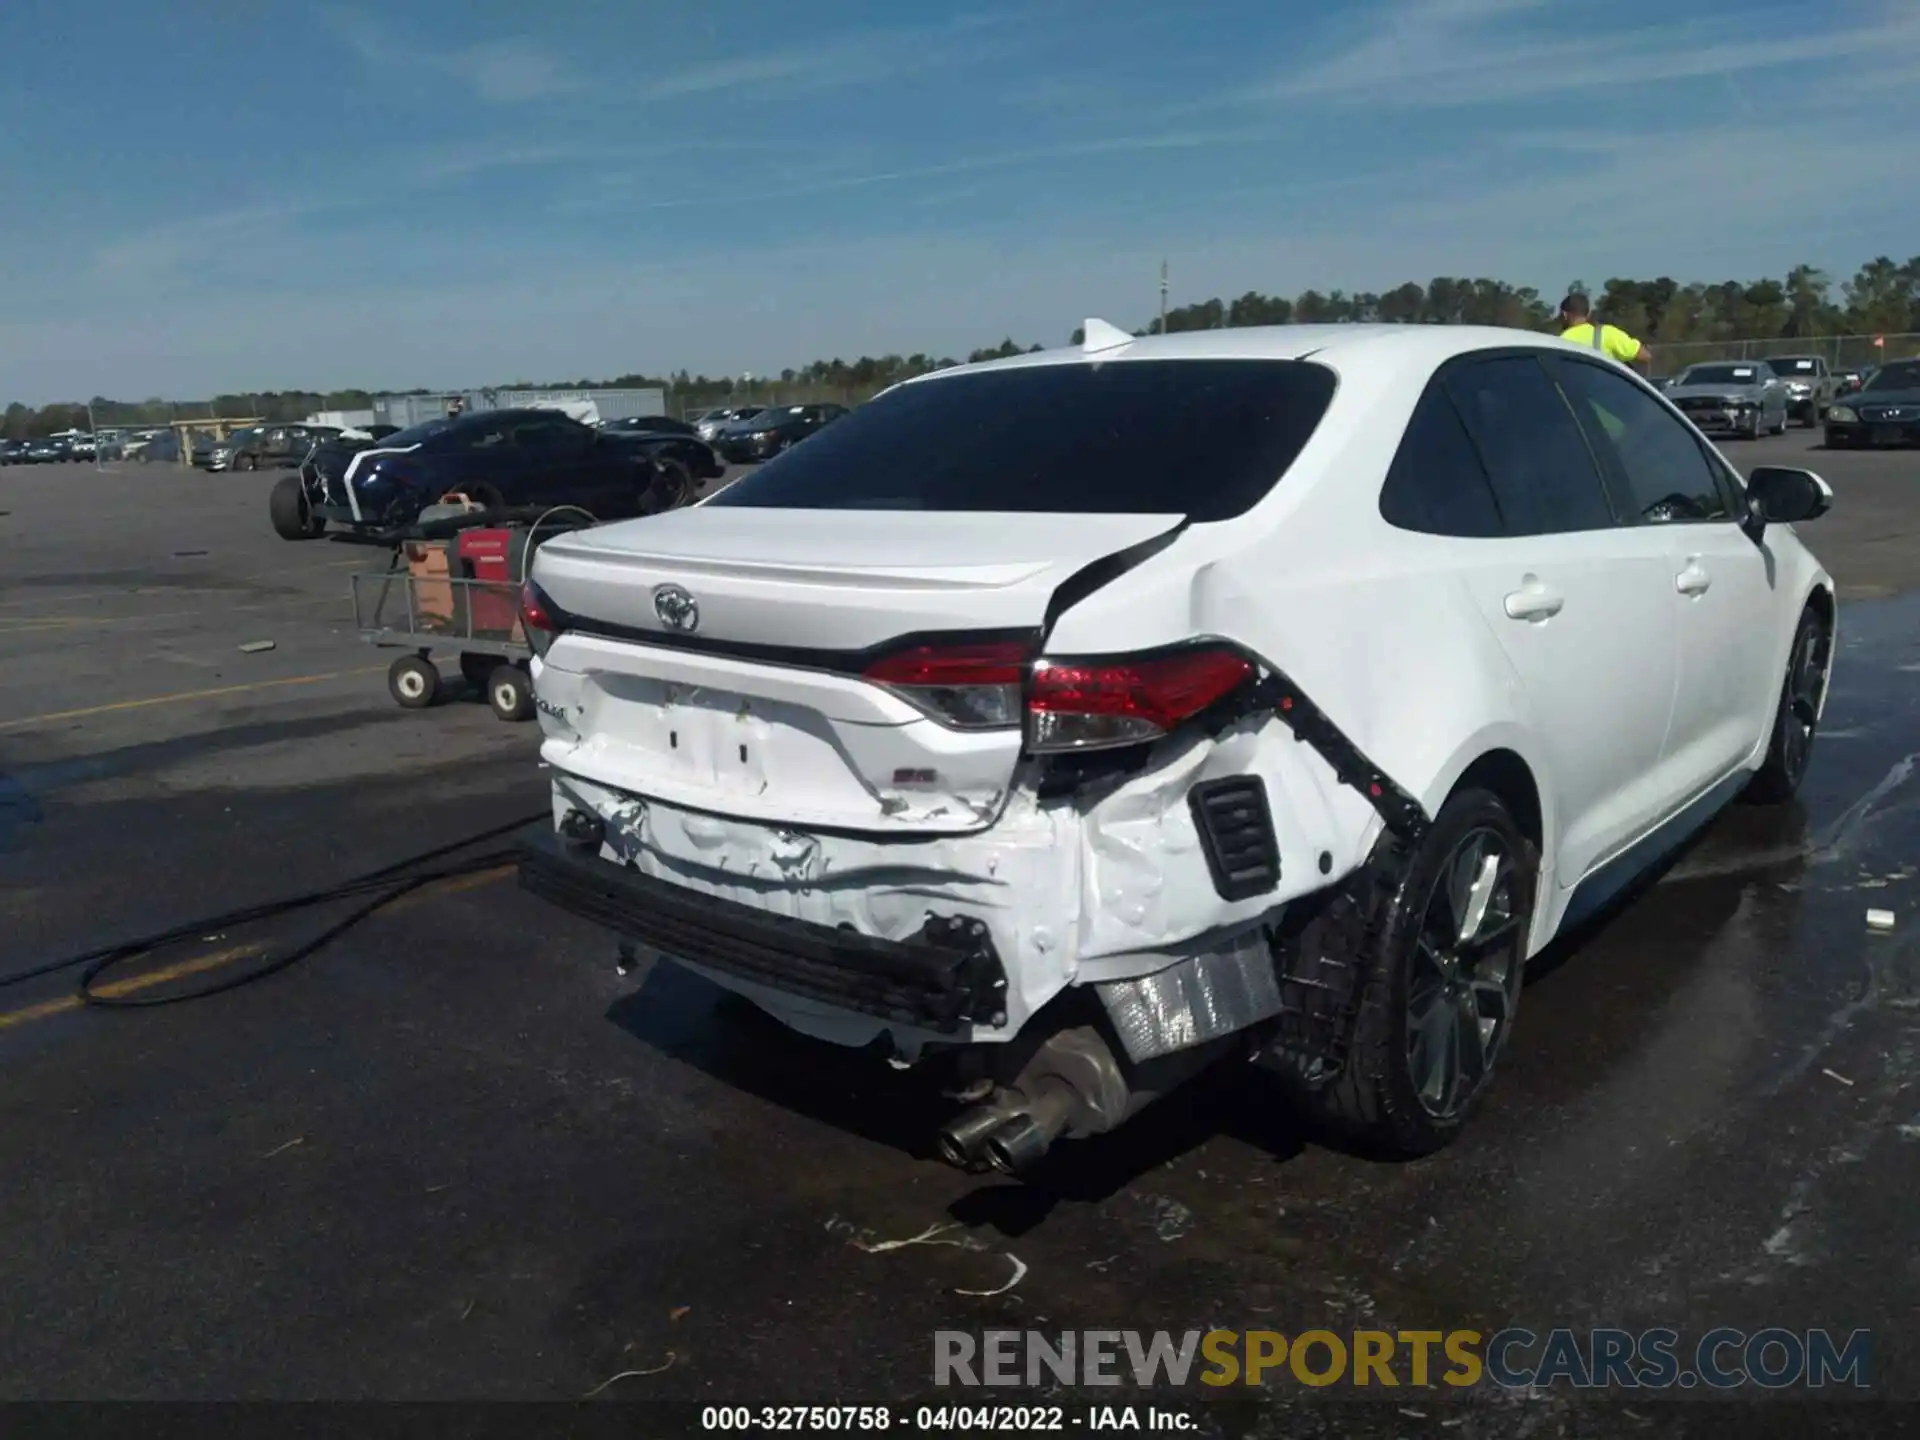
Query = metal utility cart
x=452 y=580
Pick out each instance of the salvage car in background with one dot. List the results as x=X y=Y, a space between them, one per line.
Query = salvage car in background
x=767 y=433
x=1810 y=386
x=500 y=459
x=710 y=423
x=1730 y=397
x=1884 y=411
x=1015 y=724
x=265 y=447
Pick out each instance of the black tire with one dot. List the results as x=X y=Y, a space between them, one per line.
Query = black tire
x=1376 y=1102
x=1796 y=716
x=413 y=682
x=510 y=692
x=287 y=508
x=670 y=487
x=245 y=462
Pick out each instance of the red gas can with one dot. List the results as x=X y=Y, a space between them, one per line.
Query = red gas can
x=495 y=557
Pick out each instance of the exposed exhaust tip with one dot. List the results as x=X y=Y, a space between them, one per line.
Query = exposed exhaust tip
x=1016 y=1145
x=960 y=1139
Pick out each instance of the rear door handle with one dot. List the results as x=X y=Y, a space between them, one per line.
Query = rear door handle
x=1693 y=580
x=1534 y=601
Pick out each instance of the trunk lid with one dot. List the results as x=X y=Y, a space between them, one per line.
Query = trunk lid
x=831 y=580
x=757 y=709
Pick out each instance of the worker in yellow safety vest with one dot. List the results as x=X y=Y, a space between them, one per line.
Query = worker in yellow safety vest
x=1578 y=325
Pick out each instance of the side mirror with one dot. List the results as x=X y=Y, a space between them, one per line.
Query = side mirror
x=1779 y=495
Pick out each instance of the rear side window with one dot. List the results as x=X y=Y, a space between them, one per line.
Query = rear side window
x=1437 y=484
x=1202 y=438
x=1543 y=475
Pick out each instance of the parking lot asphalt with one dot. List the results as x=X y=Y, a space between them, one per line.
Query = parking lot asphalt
x=454 y=1155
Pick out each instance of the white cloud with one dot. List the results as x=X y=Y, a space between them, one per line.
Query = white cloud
x=510 y=70
x=846 y=60
x=1449 y=53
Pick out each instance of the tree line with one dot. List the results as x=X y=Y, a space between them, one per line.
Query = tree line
x=1881 y=298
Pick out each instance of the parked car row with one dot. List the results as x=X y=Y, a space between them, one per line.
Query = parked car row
x=48 y=450
x=266 y=447
x=745 y=434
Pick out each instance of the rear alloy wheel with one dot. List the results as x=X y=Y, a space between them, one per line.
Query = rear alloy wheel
x=1797 y=716
x=1441 y=983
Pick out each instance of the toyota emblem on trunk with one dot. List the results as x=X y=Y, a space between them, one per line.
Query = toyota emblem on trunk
x=676 y=608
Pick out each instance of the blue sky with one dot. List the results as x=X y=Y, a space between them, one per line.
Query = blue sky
x=216 y=195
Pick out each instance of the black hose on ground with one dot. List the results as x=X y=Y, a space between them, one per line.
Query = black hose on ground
x=384 y=885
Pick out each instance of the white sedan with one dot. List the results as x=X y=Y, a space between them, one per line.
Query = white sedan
x=1078 y=720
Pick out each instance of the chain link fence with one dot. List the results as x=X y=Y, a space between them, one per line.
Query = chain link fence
x=1842 y=352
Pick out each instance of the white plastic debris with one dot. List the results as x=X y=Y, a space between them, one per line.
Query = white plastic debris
x=1880 y=919
x=254 y=647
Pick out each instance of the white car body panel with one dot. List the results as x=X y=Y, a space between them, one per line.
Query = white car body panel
x=775 y=789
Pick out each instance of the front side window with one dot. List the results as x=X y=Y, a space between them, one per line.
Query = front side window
x=1664 y=472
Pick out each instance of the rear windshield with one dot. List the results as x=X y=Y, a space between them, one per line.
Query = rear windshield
x=1201 y=438
x=1794 y=365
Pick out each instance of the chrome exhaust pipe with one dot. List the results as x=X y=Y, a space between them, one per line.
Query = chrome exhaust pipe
x=962 y=1140
x=1072 y=1086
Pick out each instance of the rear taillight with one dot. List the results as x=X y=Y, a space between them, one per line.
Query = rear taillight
x=540 y=618
x=967 y=687
x=1096 y=704
x=1067 y=705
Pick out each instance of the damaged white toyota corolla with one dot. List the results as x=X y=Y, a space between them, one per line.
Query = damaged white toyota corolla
x=1080 y=719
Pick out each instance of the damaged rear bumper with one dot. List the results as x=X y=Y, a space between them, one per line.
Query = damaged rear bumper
x=945 y=979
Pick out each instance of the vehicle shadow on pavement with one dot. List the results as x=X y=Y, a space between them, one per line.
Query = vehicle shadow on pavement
x=1743 y=843
x=692 y=1020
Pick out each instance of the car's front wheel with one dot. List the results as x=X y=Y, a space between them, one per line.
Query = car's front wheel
x=1441 y=982
x=1796 y=715
x=292 y=516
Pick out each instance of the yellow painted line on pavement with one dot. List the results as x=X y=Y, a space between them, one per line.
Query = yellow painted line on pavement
x=457 y=885
x=182 y=697
x=131 y=985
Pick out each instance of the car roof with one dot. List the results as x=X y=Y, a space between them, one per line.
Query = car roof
x=1341 y=346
